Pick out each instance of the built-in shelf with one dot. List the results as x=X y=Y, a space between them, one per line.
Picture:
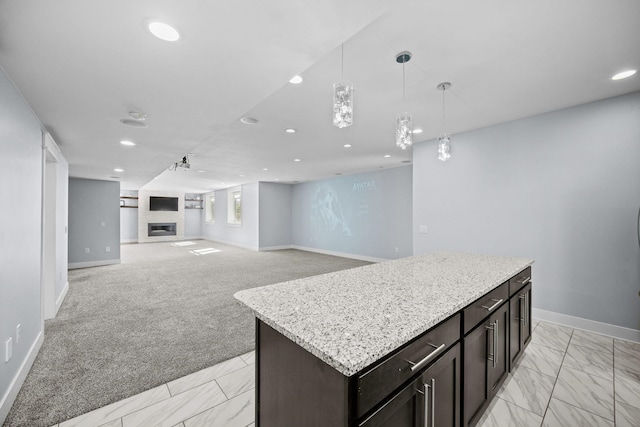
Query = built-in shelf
x=128 y=199
x=193 y=201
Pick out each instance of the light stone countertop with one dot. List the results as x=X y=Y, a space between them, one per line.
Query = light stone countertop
x=352 y=318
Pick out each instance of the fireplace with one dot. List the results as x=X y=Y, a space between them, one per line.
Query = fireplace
x=161 y=229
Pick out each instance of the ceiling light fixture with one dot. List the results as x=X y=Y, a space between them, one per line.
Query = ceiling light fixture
x=118 y=170
x=404 y=126
x=347 y=145
x=387 y=156
x=249 y=120
x=417 y=131
x=624 y=74
x=181 y=164
x=296 y=80
x=342 y=100
x=163 y=31
x=137 y=115
x=127 y=143
x=444 y=143
x=265 y=169
x=290 y=130
x=296 y=160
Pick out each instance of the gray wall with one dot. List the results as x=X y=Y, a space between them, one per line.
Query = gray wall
x=246 y=235
x=365 y=215
x=128 y=225
x=193 y=223
x=562 y=187
x=275 y=215
x=94 y=222
x=20 y=239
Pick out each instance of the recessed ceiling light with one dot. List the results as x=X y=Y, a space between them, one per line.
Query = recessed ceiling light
x=296 y=80
x=277 y=179
x=249 y=120
x=133 y=123
x=406 y=161
x=290 y=130
x=417 y=130
x=137 y=115
x=242 y=176
x=387 y=155
x=200 y=171
x=129 y=143
x=118 y=170
x=624 y=75
x=163 y=31
x=347 y=145
x=296 y=160
x=265 y=169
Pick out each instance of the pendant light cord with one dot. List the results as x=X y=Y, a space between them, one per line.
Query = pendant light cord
x=444 y=127
x=403 y=82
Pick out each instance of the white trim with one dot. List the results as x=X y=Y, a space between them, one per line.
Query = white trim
x=238 y=245
x=275 y=248
x=61 y=297
x=340 y=254
x=10 y=396
x=74 y=265
x=614 y=331
x=128 y=241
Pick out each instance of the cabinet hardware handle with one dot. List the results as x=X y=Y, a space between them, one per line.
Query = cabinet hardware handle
x=428 y=358
x=433 y=403
x=524 y=280
x=496 y=336
x=523 y=305
x=526 y=308
x=426 y=404
x=491 y=356
x=497 y=303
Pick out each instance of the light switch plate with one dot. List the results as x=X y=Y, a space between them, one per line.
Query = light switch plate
x=423 y=229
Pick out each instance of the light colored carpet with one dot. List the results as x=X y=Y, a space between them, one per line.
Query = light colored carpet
x=161 y=314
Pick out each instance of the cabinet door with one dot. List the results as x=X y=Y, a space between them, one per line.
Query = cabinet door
x=402 y=410
x=498 y=362
x=519 y=323
x=441 y=391
x=486 y=362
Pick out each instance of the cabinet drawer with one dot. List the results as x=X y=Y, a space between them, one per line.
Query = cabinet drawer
x=519 y=280
x=484 y=306
x=374 y=384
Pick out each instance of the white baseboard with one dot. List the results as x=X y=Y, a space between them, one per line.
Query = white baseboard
x=74 y=265
x=128 y=241
x=61 y=297
x=340 y=254
x=614 y=331
x=237 y=245
x=275 y=248
x=10 y=396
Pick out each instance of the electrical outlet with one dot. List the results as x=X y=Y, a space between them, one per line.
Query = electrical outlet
x=86 y=250
x=423 y=229
x=8 y=349
x=18 y=333
x=108 y=249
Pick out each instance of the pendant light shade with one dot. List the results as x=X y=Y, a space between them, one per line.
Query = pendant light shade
x=404 y=124
x=444 y=142
x=342 y=100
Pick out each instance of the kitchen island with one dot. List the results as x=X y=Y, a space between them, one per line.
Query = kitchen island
x=353 y=347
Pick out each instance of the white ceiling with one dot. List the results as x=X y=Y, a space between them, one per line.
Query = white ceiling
x=83 y=65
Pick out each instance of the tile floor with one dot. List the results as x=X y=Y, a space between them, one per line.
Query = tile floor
x=565 y=378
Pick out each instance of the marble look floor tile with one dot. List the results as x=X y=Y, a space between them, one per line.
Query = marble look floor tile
x=178 y=408
x=561 y=414
x=589 y=392
x=528 y=389
x=238 y=382
x=627 y=355
x=236 y=412
x=501 y=413
x=593 y=341
x=249 y=358
x=627 y=415
x=590 y=361
x=114 y=423
x=206 y=375
x=119 y=409
x=542 y=359
x=552 y=336
x=628 y=388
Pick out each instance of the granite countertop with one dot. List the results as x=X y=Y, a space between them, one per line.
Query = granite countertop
x=352 y=318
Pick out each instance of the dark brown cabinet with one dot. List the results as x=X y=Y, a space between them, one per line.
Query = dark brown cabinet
x=519 y=323
x=486 y=362
x=432 y=400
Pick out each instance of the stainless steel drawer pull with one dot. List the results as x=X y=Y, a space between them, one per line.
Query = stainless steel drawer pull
x=428 y=358
x=497 y=303
x=524 y=280
x=494 y=343
x=431 y=411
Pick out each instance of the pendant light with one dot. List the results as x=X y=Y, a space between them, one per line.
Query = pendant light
x=444 y=143
x=404 y=125
x=342 y=100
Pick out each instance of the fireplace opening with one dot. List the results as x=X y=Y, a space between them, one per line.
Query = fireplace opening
x=161 y=229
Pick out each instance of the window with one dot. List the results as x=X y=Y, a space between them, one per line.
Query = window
x=210 y=208
x=234 y=206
